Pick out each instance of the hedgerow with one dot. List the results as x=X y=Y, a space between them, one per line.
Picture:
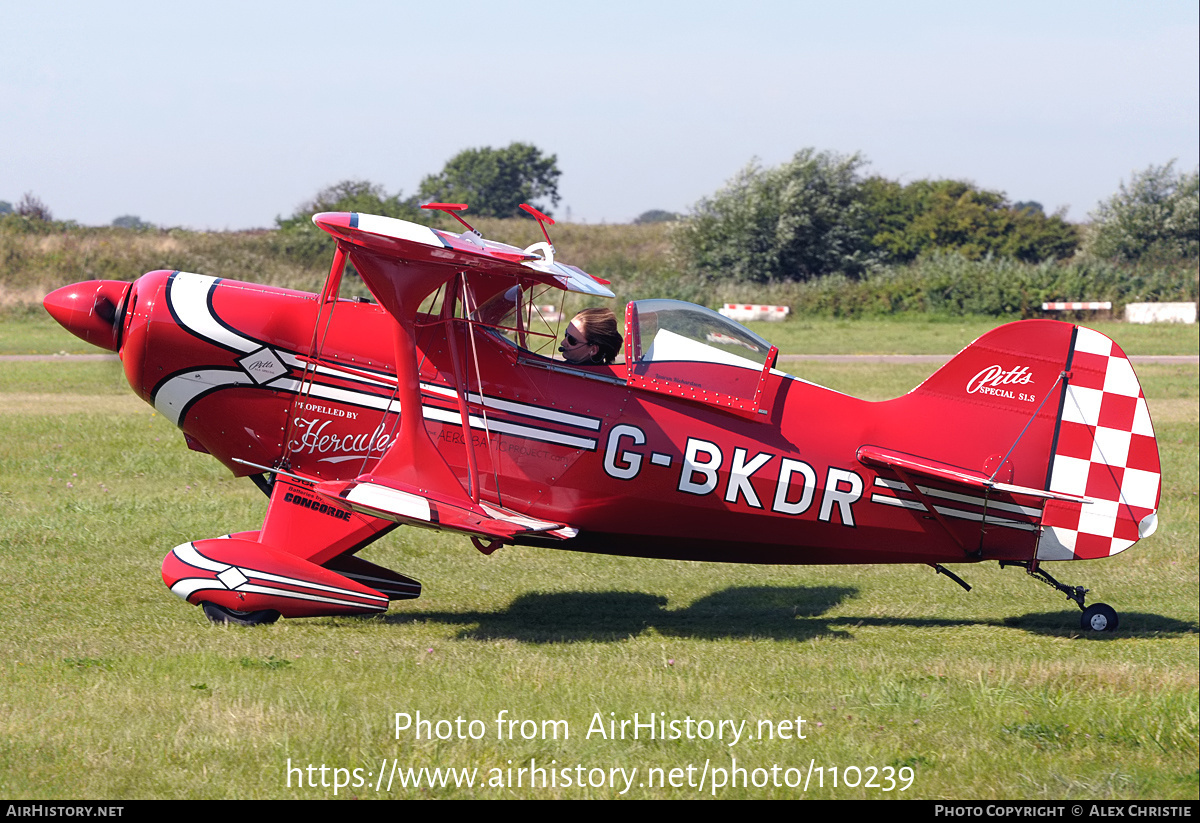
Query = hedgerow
x=638 y=259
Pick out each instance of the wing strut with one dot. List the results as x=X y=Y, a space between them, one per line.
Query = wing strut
x=469 y=308
x=460 y=383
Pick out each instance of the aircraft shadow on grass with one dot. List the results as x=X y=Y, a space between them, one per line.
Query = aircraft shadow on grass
x=765 y=612
x=783 y=613
x=1065 y=623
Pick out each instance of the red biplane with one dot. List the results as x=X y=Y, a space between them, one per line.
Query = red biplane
x=439 y=405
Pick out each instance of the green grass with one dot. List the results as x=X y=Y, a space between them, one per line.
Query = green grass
x=36 y=332
x=110 y=687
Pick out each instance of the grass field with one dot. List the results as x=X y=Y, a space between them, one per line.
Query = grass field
x=114 y=688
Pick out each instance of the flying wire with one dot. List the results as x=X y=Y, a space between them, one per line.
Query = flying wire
x=469 y=303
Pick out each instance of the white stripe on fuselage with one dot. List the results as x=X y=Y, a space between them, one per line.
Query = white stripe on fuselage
x=189 y=299
x=176 y=393
x=188 y=296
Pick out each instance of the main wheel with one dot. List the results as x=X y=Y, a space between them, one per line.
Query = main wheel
x=1099 y=617
x=220 y=614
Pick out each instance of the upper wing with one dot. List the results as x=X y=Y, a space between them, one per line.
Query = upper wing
x=418 y=244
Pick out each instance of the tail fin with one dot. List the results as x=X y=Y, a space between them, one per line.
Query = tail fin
x=1062 y=404
x=1104 y=449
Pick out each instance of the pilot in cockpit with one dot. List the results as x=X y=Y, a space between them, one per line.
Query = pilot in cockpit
x=592 y=338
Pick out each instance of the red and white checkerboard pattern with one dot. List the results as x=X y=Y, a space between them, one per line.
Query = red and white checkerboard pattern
x=1106 y=452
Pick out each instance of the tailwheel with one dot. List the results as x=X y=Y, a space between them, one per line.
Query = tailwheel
x=221 y=615
x=1099 y=617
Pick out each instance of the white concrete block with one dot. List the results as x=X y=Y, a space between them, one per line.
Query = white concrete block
x=1160 y=312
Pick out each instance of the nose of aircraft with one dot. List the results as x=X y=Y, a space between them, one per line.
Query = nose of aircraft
x=90 y=310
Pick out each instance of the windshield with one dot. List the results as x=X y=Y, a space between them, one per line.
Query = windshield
x=689 y=351
x=671 y=330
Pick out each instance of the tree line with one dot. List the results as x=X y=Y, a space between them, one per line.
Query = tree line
x=818 y=214
x=815 y=215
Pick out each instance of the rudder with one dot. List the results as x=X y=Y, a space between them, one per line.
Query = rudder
x=1104 y=450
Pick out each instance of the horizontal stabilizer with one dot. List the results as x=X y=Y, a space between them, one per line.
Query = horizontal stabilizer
x=395 y=585
x=876 y=456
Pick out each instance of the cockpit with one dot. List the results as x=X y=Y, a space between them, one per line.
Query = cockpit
x=690 y=351
x=671 y=347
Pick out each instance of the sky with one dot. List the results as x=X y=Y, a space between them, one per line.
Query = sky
x=222 y=115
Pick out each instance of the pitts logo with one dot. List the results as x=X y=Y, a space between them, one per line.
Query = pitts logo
x=261 y=366
x=991 y=379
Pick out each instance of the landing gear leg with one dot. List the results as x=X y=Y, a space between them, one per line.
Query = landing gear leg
x=265 y=483
x=1098 y=617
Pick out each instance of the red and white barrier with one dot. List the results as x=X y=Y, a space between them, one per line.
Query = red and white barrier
x=1092 y=305
x=742 y=312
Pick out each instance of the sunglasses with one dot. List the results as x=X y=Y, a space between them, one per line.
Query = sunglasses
x=571 y=341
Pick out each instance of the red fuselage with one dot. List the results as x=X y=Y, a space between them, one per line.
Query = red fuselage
x=636 y=472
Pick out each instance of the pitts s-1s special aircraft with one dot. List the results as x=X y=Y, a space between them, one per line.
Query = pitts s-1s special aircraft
x=437 y=406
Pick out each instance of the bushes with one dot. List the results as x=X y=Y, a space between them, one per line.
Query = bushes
x=816 y=215
x=33 y=263
x=815 y=235
x=1157 y=216
x=804 y=219
x=637 y=259
x=951 y=285
x=953 y=216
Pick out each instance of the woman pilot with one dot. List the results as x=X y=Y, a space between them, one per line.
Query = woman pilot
x=592 y=338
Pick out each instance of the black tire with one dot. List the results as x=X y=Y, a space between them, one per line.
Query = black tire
x=222 y=615
x=1099 y=617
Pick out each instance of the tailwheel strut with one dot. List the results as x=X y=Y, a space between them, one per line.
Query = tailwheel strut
x=1031 y=567
x=1099 y=617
